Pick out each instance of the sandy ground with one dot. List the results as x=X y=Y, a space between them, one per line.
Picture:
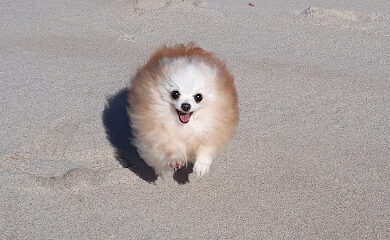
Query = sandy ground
x=310 y=160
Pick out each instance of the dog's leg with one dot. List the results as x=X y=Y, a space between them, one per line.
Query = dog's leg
x=175 y=155
x=203 y=161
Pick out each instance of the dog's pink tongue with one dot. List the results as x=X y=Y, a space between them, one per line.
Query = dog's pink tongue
x=184 y=117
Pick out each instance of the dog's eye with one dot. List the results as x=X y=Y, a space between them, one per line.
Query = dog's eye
x=175 y=94
x=198 y=97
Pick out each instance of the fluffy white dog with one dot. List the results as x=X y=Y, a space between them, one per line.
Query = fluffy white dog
x=183 y=107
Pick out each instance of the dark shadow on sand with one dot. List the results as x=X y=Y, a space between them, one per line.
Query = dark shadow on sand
x=118 y=129
x=181 y=176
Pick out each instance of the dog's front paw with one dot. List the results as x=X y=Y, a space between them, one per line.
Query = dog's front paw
x=177 y=163
x=200 y=169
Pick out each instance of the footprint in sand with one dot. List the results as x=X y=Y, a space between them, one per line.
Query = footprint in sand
x=146 y=5
x=127 y=38
x=341 y=18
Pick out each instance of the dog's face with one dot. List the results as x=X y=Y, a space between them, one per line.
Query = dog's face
x=188 y=86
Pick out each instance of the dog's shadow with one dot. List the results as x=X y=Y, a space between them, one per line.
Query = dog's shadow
x=118 y=129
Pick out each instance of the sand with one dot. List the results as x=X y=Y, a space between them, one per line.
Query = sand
x=310 y=159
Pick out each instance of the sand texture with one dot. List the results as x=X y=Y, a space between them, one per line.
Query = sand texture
x=311 y=159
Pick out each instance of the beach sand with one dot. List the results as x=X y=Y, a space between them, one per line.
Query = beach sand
x=310 y=159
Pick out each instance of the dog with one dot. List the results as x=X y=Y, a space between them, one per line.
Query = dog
x=183 y=107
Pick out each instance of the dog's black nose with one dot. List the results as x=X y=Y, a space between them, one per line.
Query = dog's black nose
x=186 y=107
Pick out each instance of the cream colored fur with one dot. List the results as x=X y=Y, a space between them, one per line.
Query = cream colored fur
x=163 y=141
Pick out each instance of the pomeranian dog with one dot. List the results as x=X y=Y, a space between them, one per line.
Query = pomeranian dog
x=183 y=108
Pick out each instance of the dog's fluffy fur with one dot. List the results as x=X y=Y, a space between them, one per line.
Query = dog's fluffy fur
x=167 y=137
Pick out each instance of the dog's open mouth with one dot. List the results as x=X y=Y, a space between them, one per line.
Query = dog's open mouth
x=184 y=117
